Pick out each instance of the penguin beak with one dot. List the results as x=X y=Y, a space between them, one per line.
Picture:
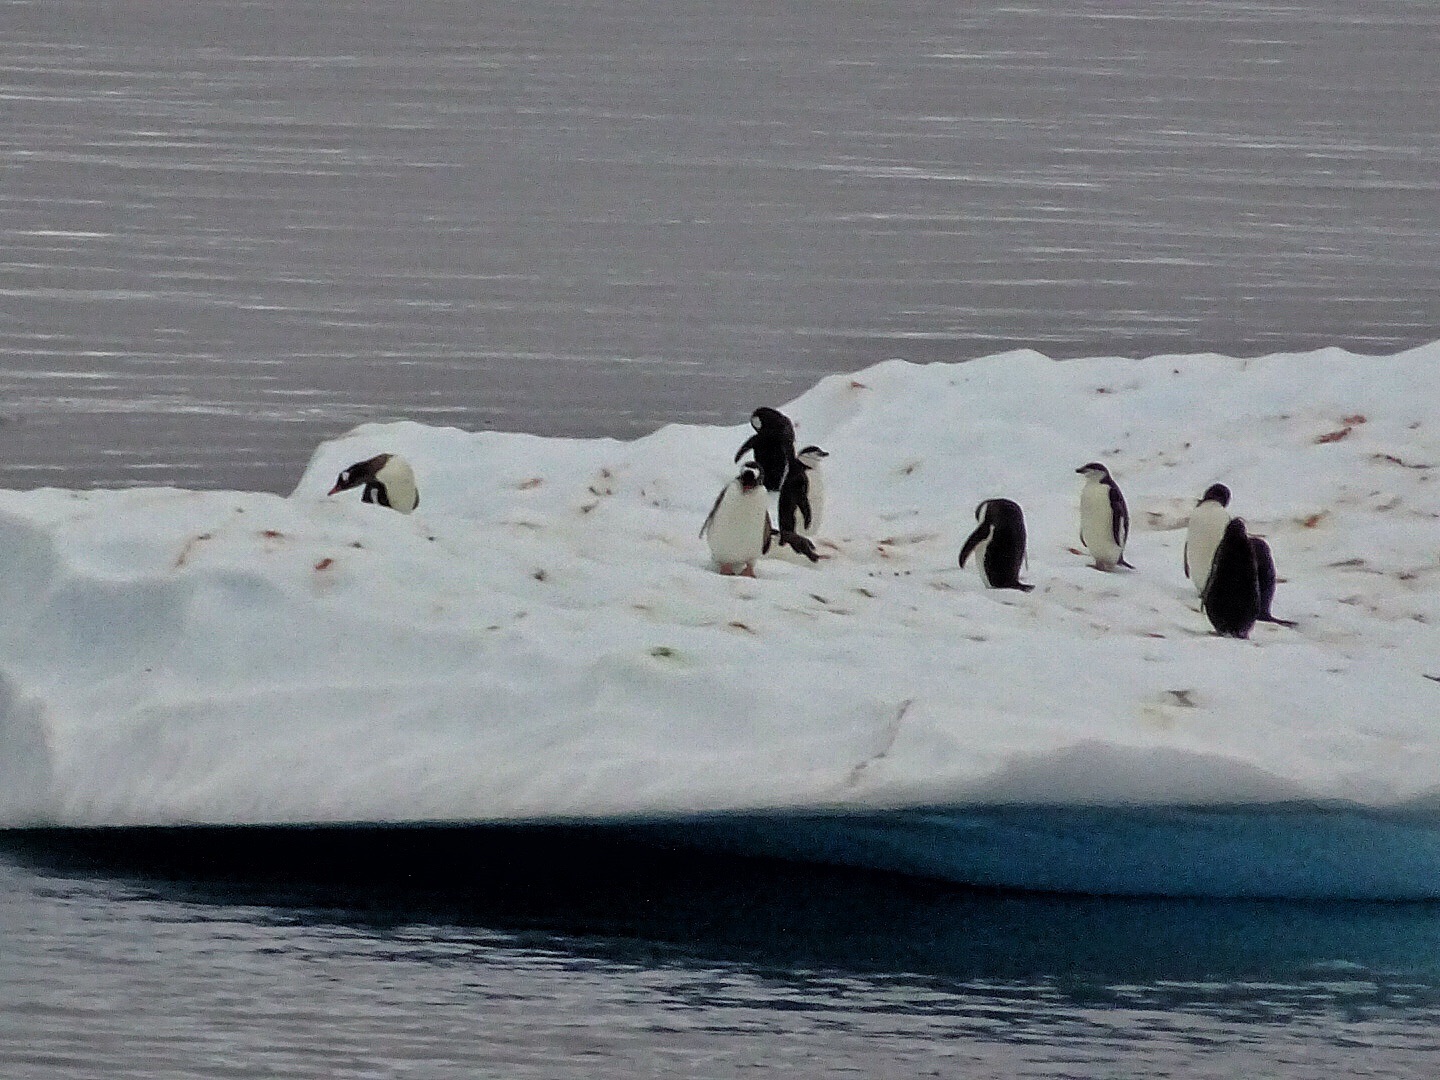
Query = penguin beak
x=333 y=490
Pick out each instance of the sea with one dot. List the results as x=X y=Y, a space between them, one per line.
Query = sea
x=235 y=228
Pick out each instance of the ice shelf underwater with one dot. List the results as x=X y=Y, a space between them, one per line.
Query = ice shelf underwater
x=545 y=639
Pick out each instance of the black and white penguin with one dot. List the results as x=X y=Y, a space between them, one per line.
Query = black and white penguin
x=1202 y=535
x=802 y=495
x=738 y=525
x=388 y=479
x=998 y=544
x=1265 y=578
x=1231 y=598
x=1104 y=518
x=773 y=445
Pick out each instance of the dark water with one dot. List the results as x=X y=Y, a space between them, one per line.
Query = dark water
x=464 y=953
x=232 y=228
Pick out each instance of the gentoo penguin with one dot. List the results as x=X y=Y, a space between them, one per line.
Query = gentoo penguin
x=1104 y=519
x=1231 y=598
x=1202 y=536
x=802 y=495
x=738 y=526
x=773 y=445
x=998 y=544
x=1265 y=578
x=388 y=479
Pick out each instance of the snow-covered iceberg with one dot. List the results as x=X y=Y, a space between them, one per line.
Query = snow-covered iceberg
x=544 y=639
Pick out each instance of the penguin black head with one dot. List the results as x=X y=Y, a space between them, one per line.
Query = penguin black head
x=811 y=456
x=1216 y=493
x=359 y=473
x=772 y=421
x=749 y=477
x=997 y=511
x=1094 y=470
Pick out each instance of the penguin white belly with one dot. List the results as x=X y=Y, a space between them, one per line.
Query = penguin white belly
x=1202 y=537
x=737 y=531
x=978 y=554
x=816 y=496
x=1097 y=527
x=399 y=483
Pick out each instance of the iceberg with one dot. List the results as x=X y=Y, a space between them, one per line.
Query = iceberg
x=544 y=640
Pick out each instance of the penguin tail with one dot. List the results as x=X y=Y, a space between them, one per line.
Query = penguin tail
x=801 y=545
x=1128 y=566
x=1278 y=622
x=1023 y=587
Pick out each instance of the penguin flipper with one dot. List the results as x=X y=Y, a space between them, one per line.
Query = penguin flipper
x=748 y=444
x=803 y=505
x=980 y=533
x=711 y=516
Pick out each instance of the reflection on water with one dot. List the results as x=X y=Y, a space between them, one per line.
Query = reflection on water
x=232 y=229
x=570 y=952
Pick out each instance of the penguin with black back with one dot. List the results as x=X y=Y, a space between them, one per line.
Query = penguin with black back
x=1104 y=517
x=802 y=495
x=388 y=481
x=998 y=544
x=1231 y=597
x=1265 y=578
x=773 y=445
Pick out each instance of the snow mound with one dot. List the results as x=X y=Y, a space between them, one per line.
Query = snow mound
x=544 y=638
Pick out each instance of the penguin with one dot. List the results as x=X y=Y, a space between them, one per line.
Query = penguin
x=1104 y=518
x=998 y=544
x=1202 y=535
x=1231 y=598
x=773 y=445
x=388 y=479
x=738 y=525
x=1265 y=578
x=802 y=495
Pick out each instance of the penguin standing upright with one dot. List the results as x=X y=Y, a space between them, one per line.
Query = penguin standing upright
x=738 y=525
x=1231 y=597
x=998 y=544
x=1202 y=535
x=1265 y=578
x=1104 y=518
x=388 y=479
x=773 y=445
x=802 y=495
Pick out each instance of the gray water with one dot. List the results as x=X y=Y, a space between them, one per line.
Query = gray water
x=233 y=228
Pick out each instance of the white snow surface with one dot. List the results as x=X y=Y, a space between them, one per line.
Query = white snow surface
x=545 y=638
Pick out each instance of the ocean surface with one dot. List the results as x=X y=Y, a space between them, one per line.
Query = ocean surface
x=234 y=228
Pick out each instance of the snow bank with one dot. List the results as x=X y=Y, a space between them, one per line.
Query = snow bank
x=545 y=639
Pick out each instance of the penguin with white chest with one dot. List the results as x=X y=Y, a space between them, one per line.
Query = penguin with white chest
x=388 y=479
x=773 y=445
x=1202 y=535
x=802 y=495
x=738 y=525
x=998 y=544
x=1231 y=597
x=1104 y=518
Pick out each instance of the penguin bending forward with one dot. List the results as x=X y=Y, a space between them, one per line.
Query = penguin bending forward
x=738 y=525
x=998 y=544
x=802 y=495
x=1231 y=597
x=388 y=479
x=1265 y=578
x=773 y=445
x=1104 y=518
x=1203 y=533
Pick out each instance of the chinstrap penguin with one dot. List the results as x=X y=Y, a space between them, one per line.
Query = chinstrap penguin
x=738 y=525
x=388 y=479
x=1104 y=518
x=1202 y=535
x=1231 y=598
x=998 y=544
x=802 y=495
x=1265 y=578
x=773 y=445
